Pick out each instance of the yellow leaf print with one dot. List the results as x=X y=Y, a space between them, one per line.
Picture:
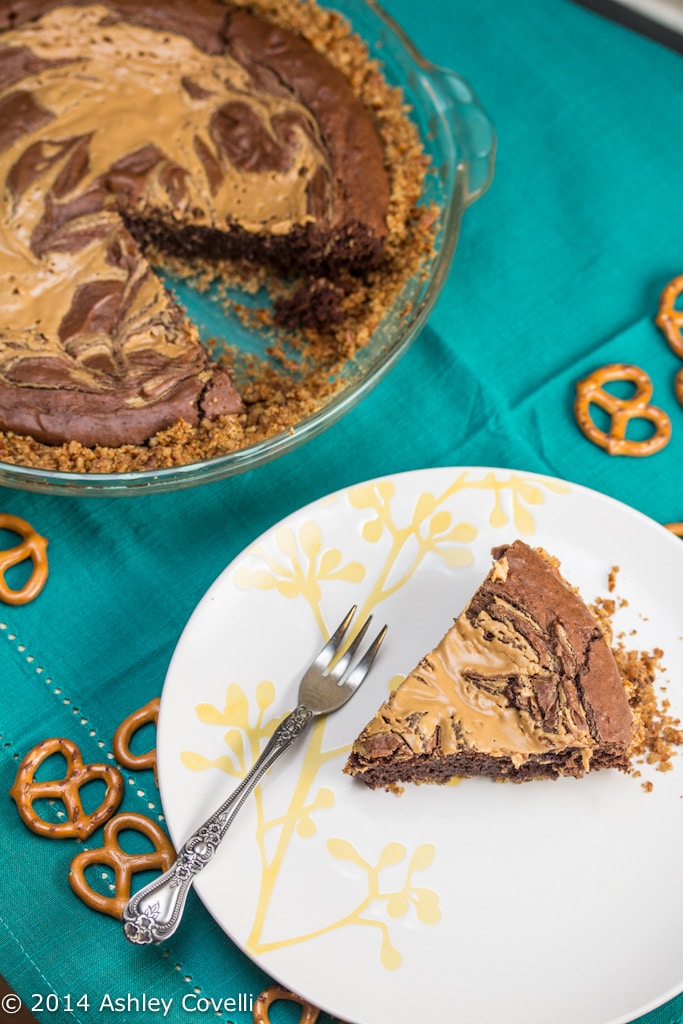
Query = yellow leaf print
x=531 y=494
x=424 y=507
x=245 y=579
x=439 y=523
x=366 y=495
x=343 y=850
x=423 y=857
x=523 y=519
x=234 y=712
x=300 y=562
x=373 y=530
x=210 y=715
x=398 y=905
x=329 y=561
x=391 y=854
x=306 y=828
x=362 y=497
x=311 y=540
x=291 y=588
x=233 y=739
x=197 y=763
x=324 y=798
x=457 y=558
x=354 y=572
x=265 y=694
x=426 y=906
x=286 y=541
x=236 y=708
x=310 y=564
x=389 y=956
x=397 y=902
x=463 y=533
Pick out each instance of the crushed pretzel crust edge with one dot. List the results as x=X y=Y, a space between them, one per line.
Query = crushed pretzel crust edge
x=657 y=735
x=297 y=375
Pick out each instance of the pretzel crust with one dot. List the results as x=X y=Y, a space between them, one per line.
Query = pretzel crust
x=32 y=546
x=309 y=1013
x=669 y=319
x=590 y=391
x=126 y=730
x=27 y=788
x=124 y=865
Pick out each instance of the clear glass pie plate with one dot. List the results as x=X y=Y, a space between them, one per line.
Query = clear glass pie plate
x=460 y=142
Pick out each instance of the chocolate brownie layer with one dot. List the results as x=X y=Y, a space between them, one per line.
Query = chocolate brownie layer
x=523 y=686
x=199 y=128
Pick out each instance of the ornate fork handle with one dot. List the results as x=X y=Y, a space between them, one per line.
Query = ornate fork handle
x=154 y=913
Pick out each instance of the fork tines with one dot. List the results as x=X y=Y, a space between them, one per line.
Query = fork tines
x=363 y=667
x=333 y=645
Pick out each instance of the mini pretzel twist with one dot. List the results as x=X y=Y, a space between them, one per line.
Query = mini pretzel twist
x=32 y=546
x=27 y=789
x=669 y=319
x=129 y=726
x=621 y=411
x=309 y=1013
x=678 y=386
x=124 y=865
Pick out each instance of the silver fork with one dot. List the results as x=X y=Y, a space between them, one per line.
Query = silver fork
x=154 y=913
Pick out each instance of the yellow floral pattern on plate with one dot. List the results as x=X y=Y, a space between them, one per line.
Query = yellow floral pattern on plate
x=303 y=568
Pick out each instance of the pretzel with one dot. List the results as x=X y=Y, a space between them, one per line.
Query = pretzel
x=676 y=528
x=124 y=865
x=309 y=1013
x=678 y=386
x=621 y=411
x=32 y=546
x=124 y=733
x=669 y=319
x=27 y=789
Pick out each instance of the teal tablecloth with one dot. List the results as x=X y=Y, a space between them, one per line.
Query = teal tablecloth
x=558 y=270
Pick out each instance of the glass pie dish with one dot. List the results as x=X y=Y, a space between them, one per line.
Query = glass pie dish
x=459 y=140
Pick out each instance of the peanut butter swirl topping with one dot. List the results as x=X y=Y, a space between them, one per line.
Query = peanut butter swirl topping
x=524 y=672
x=111 y=117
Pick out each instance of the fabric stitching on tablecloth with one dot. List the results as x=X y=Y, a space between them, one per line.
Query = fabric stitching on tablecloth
x=198 y=990
x=49 y=681
x=83 y=720
x=16 y=756
x=140 y=794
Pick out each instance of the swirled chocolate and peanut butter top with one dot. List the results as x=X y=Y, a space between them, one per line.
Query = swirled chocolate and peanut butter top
x=199 y=129
x=523 y=686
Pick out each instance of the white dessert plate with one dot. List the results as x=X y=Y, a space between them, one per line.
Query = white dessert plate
x=476 y=902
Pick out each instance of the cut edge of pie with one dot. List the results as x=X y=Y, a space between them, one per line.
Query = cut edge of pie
x=131 y=129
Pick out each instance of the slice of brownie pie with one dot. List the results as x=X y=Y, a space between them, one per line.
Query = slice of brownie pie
x=523 y=686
